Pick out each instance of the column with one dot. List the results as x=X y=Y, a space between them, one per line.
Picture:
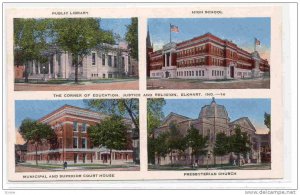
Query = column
x=54 y=64
x=33 y=67
x=165 y=60
x=63 y=65
x=170 y=59
x=39 y=67
x=49 y=71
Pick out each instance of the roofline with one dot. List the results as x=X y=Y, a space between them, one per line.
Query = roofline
x=63 y=107
x=173 y=113
x=245 y=117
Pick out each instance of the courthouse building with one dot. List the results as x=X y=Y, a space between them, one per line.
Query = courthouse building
x=74 y=145
x=205 y=57
x=104 y=61
x=213 y=119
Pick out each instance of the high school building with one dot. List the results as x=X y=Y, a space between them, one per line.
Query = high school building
x=213 y=119
x=105 y=61
x=74 y=145
x=205 y=57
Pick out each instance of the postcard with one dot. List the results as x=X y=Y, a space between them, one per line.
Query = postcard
x=122 y=93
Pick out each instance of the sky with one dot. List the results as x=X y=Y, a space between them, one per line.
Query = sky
x=241 y=31
x=117 y=26
x=254 y=109
x=36 y=109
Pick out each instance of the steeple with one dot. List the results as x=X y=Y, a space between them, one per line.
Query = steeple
x=213 y=101
x=148 y=41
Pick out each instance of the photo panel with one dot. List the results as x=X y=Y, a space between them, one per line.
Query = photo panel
x=208 y=53
x=76 y=136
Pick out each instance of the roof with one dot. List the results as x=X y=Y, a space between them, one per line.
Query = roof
x=68 y=108
x=174 y=114
x=244 y=118
x=213 y=110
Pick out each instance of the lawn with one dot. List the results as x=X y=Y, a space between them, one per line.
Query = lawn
x=83 y=166
x=262 y=166
x=64 y=81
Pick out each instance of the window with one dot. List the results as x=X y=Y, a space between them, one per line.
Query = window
x=109 y=60
x=83 y=142
x=75 y=126
x=75 y=142
x=103 y=59
x=83 y=127
x=93 y=58
x=115 y=61
x=110 y=75
x=123 y=61
x=103 y=76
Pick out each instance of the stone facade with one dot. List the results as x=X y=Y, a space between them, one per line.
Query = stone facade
x=212 y=119
x=107 y=61
x=206 y=57
x=70 y=124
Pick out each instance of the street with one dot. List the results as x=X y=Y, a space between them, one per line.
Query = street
x=125 y=85
x=199 y=84
x=22 y=168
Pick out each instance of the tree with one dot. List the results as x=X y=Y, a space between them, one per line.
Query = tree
x=196 y=142
x=267 y=121
x=120 y=107
x=239 y=143
x=110 y=133
x=132 y=38
x=29 y=40
x=78 y=36
x=175 y=140
x=154 y=118
x=160 y=147
x=36 y=133
x=221 y=145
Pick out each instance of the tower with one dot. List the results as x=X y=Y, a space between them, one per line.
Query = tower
x=149 y=49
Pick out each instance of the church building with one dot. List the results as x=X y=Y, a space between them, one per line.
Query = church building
x=213 y=119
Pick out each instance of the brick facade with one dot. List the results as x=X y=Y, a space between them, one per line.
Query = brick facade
x=70 y=125
x=206 y=57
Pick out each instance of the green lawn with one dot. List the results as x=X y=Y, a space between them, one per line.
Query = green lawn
x=84 y=166
x=262 y=166
x=64 y=81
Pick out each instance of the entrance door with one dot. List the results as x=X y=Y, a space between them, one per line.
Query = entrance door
x=75 y=158
x=167 y=74
x=83 y=158
x=231 y=71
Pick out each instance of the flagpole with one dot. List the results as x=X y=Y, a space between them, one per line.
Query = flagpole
x=170 y=33
x=254 y=44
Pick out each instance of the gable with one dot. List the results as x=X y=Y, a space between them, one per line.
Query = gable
x=174 y=117
x=245 y=124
